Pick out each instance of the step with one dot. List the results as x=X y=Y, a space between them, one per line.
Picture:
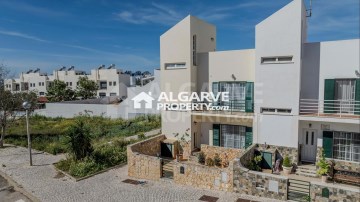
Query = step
x=168 y=168
x=305 y=174
x=299 y=182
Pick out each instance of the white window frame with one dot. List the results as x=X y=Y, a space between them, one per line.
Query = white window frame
x=277 y=59
x=180 y=65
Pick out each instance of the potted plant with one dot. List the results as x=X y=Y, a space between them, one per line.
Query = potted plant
x=323 y=166
x=287 y=165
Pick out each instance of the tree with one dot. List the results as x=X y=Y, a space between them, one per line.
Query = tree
x=4 y=73
x=58 y=92
x=78 y=139
x=86 y=88
x=11 y=108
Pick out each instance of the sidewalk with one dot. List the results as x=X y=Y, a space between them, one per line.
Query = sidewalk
x=43 y=182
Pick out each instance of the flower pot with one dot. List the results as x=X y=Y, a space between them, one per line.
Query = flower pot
x=287 y=170
x=324 y=178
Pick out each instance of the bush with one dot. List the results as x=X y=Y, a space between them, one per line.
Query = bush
x=210 y=162
x=83 y=168
x=323 y=165
x=287 y=162
x=78 y=139
x=141 y=136
x=217 y=160
x=201 y=158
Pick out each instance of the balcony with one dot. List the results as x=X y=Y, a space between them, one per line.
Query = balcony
x=348 y=109
x=230 y=112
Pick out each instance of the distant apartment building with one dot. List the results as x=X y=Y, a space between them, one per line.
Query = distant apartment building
x=111 y=81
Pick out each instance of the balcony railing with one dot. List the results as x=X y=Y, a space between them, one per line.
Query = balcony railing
x=330 y=108
x=229 y=107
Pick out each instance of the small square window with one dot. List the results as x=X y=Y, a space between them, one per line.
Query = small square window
x=114 y=83
x=110 y=83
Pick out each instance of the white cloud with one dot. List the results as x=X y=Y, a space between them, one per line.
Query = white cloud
x=22 y=35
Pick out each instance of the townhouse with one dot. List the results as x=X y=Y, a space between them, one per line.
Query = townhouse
x=286 y=92
x=111 y=81
x=287 y=98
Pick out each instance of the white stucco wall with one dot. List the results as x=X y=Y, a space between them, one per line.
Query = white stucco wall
x=338 y=60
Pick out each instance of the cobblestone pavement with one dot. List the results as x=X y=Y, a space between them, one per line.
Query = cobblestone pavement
x=8 y=194
x=43 y=182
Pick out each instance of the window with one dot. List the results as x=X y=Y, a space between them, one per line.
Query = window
x=346 y=146
x=345 y=95
x=288 y=111
x=114 y=83
x=41 y=93
x=175 y=66
x=112 y=94
x=33 y=84
x=110 y=83
x=276 y=59
x=70 y=83
x=194 y=50
x=67 y=83
x=233 y=136
x=237 y=92
x=39 y=83
x=102 y=94
x=103 y=85
x=265 y=110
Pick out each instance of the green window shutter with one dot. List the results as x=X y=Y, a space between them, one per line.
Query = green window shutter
x=215 y=90
x=329 y=94
x=248 y=137
x=357 y=96
x=216 y=134
x=249 y=97
x=328 y=143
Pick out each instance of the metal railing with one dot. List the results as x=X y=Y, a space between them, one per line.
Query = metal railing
x=220 y=107
x=339 y=108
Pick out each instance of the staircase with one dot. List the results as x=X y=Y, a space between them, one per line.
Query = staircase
x=298 y=190
x=167 y=168
x=306 y=170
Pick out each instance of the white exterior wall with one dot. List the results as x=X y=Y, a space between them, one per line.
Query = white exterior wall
x=338 y=60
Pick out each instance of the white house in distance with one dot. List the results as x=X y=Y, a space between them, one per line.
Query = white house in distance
x=111 y=81
x=286 y=93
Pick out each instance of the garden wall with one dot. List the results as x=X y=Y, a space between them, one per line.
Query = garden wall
x=142 y=159
x=226 y=154
x=336 y=192
x=259 y=184
x=205 y=177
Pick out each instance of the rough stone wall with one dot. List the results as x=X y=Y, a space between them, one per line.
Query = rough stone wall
x=226 y=154
x=204 y=177
x=340 y=164
x=282 y=151
x=150 y=147
x=258 y=184
x=336 y=193
x=142 y=160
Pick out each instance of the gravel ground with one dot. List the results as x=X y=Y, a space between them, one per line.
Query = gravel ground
x=43 y=182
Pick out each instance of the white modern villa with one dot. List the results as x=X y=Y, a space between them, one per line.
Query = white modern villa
x=289 y=97
x=111 y=80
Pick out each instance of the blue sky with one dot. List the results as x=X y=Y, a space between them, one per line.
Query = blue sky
x=86 y=33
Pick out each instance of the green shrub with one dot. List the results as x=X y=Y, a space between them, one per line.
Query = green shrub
x=83 y=168
x=141 y=136
x=78 y=139
x=201 y=158
x=210 y=162
x=287 y=162
x=217 y=160
x=323 y=165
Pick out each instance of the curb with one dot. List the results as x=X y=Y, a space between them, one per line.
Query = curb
x=18 y=187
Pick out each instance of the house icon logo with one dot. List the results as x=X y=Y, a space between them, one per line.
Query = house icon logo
x=143 y=98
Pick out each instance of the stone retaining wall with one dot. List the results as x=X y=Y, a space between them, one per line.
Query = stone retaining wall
x=259 y=184
x=292 y=152
x=142 y=159
x=226 y=154
x=336 y=193
x=205 y=177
